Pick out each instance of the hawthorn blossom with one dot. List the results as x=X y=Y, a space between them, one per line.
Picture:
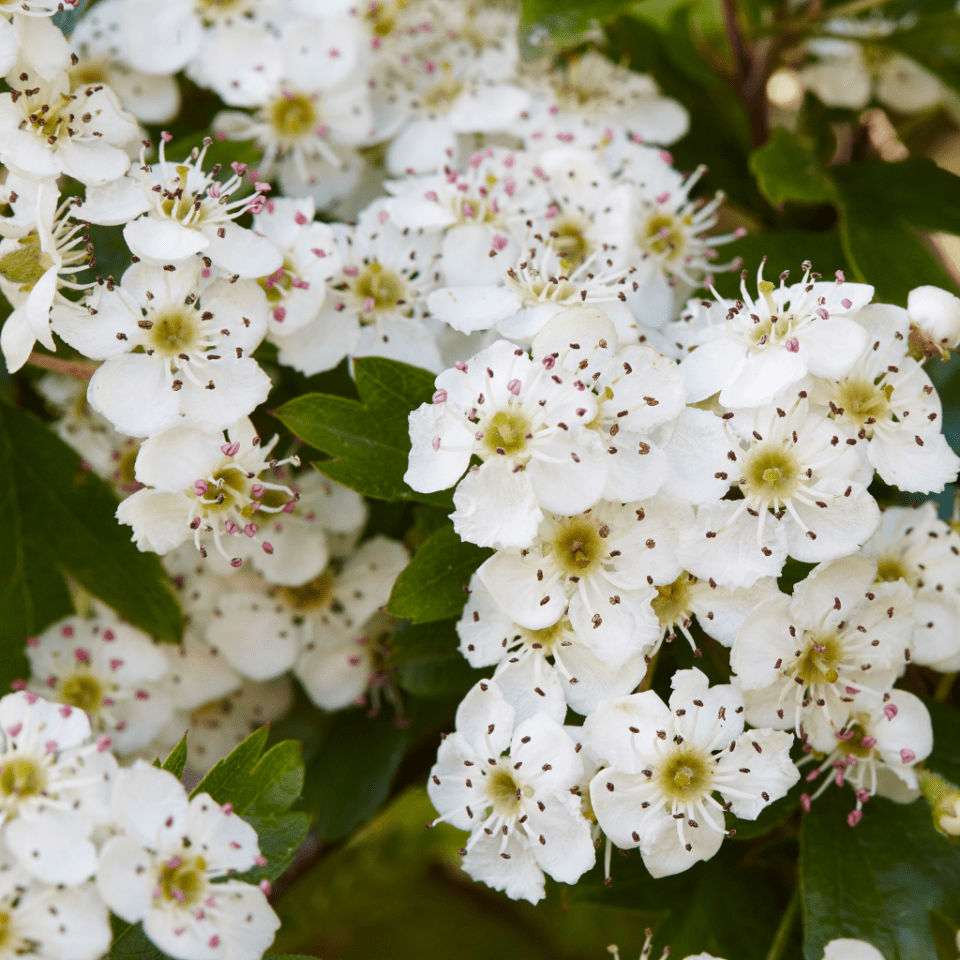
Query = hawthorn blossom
x=54 y=787
x=545 y=669
x=195 y=338
x=107 y=669
x=171 y=215
x=527 y=425
x=802 y=468
x=50 y=922
x=666 y=763
x=914 y=546
x=376 y=305
x=589 y=101
x=887 y=399
x=199 y=485
x=875 y=750
x=28 y=36
x=935 y=313
x=158 y=869
x=522 y=817
x=48 y=129
x=835 y=647
x=763 y=346
x=43 y=248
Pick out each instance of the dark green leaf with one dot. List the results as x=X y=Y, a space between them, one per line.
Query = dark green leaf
x=60 y=519
x=430 y=663
x=914 y=192
x=177 y=759
x=721 y=906
x=369 y=440
x=131 y=942
x=434 y=585
x=786 y=168
x=876 y=882
x=945 y=758
x=255 y=784
x=933 y=42
x=889 y=257
x=350 y=776
x=771 y=817
x=280 y=836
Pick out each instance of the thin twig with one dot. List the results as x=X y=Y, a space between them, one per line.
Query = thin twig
x=72 y=368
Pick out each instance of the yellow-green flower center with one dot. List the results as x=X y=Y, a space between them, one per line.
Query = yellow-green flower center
x=293 y=116
x=82 y=690
x=771 y=472
x=175 y=331
x=184 y=880
x=26 y=263
x=672 y=602
x=862 y=401
x=687 y=776
x=576 y=547
x=820 y=659
x=21 y=777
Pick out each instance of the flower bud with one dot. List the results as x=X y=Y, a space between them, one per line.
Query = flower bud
x=944 y=798
x=935 y=315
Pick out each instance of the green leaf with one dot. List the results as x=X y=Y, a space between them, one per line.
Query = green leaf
x=914 y=192
x=254 y=783
x=566 y=20
x=933 y=42
x=429 y=662
x=349 y=777
x=786 y=168
x=876 y=882
x=60 y=520
x=177 y=759
x=722 y=906
x=369 y=440
x=280 y=836
x=945 y=757
x=434 y=585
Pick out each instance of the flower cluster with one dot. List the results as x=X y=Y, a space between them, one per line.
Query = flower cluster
x=627 y=496
x=81 y=836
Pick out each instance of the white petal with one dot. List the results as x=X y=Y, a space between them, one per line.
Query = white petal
x=469 y=309
x=163 y=241
x=134 y=394
x=241 y=252
x=495 y=506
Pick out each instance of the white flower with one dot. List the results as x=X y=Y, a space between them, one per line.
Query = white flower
x=48 y=922
x=377 y=304
x=158 y=870
x=525 y=674
x=602 y=563
x=346 y=635
x=913 y=545
x=475 y=208
x=310 y=97
x=888 y=400
x=541 y=283
x=30 y=40
x=767 y=344
x=296 y=291
x=107 y=669
x=882 y=742
x=527 y=425
x=667 y=762
x=522 y=817
x=42 y=250
x=801 y=467
x=847 y=949
x=589 y=101
x=195 y=339
x=54 y=787
x=98 y=42
x=936 y=313
x=200 y=485
x=214 y=728
x=172 y=214
x=836 y=646
x=47 y=130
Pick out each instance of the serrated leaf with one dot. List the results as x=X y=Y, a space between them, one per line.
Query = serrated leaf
x=434 y=585
x=60 y=520
x=369 y=440
x=349 y=777
x=876 y=882
x=786 y=168
x=254 y=784
x=176 y=760
x=280 y=836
